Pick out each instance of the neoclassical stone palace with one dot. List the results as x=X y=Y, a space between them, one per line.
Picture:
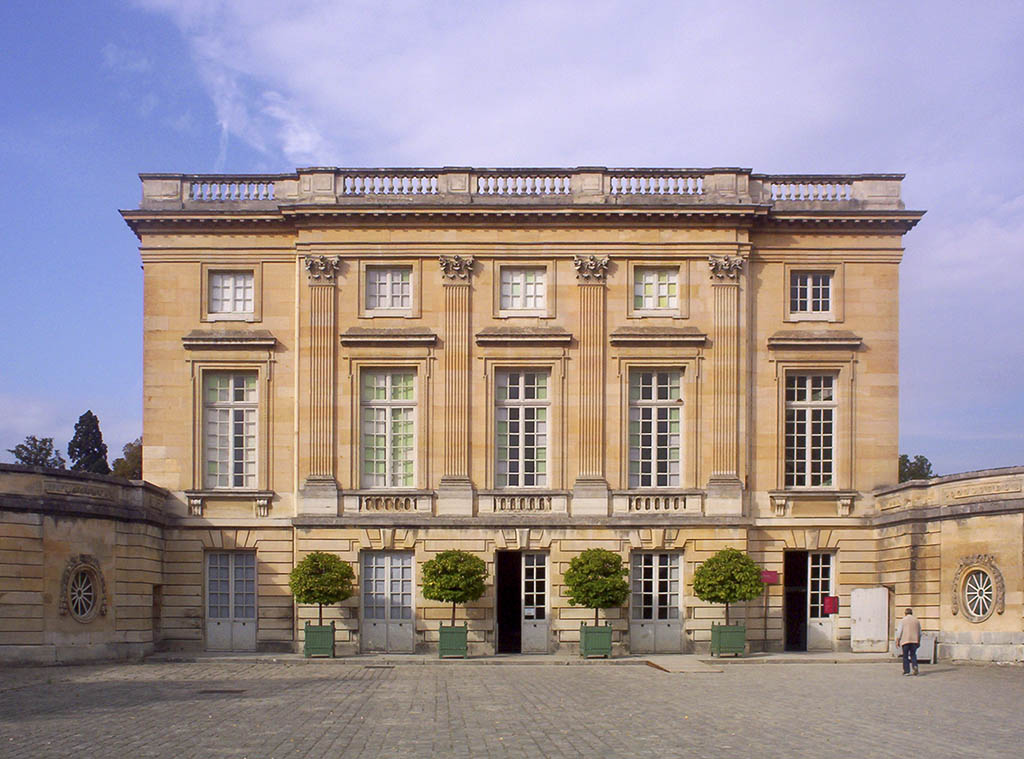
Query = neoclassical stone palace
x=527 y=363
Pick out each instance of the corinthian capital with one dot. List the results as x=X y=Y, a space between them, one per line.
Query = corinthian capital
x=322 y=269
x=456 y=267
x=591 y=268
x=725 y=267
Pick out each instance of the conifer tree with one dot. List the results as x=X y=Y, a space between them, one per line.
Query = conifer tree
x=87 y=451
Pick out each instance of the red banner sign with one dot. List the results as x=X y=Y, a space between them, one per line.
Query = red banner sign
x=769 y=577
x=830 y=604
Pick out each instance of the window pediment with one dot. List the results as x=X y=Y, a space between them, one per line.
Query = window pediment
x=518 y=335
x=388 y=336
x=815 y=338
x=645 y=335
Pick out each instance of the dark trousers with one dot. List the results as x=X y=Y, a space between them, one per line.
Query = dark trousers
x=909 y=657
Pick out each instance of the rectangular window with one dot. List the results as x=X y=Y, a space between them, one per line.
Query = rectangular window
x=819 y=584
x=231 y=292
x=389 y=288
x=655 y=433
x=655 y=289
x=810 y=430
x=521 y=424
x=230 y=415
x=523 y=289
x=389 y=429
x=810 y=292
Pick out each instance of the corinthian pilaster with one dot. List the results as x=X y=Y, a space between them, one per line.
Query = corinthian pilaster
x=319 y=494
x=724 y=486
x=590 y=492
x=455 y=495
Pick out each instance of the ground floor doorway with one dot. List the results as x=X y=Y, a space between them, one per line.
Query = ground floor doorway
x=655 y=624
x=808 y=578
x=521 y=602
x=231 y=601
x=387 y=623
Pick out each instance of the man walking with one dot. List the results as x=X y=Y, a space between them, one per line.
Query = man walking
x=908 y=635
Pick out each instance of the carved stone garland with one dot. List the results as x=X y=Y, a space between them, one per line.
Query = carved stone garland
x=456 y=267
x=323 y=267
x=591 y=267
x=76 y=566
x=986 y=562
x=723 y=267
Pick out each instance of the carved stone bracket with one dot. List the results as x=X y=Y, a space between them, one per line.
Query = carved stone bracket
x=725 y=267
x=987 y=563
x=844 y=506
x=456 y=267
x=592 y=268
x=263 y=506
x=780 y=504
x=322 y=269
x=195 y=506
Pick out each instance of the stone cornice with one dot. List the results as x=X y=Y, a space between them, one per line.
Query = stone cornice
x=354 y=336
x=799 y=338
x=521 y=335
x=642 y=335
x=221 y=339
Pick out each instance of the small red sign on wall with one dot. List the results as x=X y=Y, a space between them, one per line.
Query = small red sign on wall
x=769 y=577
x=830 y=604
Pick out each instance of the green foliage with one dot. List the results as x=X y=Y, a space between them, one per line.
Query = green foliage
x=727 y=577
x=87 y=451
x=321 y=578
x=454 y=577
x=130 y=466
x=38 y=451
x=596 y=579
x=918 y=468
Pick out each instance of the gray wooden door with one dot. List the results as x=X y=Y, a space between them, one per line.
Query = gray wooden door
x=535 y=603
x=388 y=621
x=231 y=601
x=655 y=624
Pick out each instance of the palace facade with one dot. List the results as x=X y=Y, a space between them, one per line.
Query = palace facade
x=524 y=364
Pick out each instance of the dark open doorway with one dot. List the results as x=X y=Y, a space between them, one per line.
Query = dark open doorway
x=509 y=565
x=794 y=578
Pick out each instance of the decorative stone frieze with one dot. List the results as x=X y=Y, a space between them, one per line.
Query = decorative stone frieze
x=725 y=267
x=591 y=268
x=322 y=270
x=456 y=267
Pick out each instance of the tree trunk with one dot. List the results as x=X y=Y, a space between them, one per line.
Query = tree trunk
x=453 y=614
x=321 y=610
x=595 y=617
x=726 y=612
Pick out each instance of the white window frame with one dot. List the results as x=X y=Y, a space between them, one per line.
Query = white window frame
x=835 y=278
x=809 y=422
x=235 y=411
x=250 y=312
x=810 y=293
x=508 y=273
x=655 y=576
x=522 y=407
x=655 y=408
x=819 y=582
x=390 y=406
x=387 y=278
x=639 y=283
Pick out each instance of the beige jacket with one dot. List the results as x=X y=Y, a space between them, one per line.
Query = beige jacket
x=908 y=631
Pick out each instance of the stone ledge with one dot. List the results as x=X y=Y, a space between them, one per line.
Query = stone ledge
x=220 y=339
x=665 y=335
x=517 y=335
x=388 y=336
x=815 y=338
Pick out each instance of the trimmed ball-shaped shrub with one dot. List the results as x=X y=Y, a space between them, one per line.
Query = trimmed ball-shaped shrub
x=321 y=578
x=454 y=577
x=728 y=577
x=596 y=579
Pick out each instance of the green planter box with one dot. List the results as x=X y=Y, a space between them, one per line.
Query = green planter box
x=319 y=640
x=453 y=641
x=595 y=640
x=728 y=639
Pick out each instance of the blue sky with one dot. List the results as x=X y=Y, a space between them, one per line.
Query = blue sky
x=97 y=92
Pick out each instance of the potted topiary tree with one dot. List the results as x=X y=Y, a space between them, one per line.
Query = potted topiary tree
x=728 y=577
x=454 y=577
x=596 y=579
x=321 y=578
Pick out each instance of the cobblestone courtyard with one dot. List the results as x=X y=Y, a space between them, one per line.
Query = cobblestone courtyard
x=266 y=709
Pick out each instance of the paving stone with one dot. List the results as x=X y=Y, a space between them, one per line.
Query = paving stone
x=296 y=709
